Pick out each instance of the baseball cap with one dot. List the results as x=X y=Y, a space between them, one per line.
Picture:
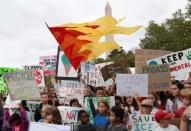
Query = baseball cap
x=161 y=114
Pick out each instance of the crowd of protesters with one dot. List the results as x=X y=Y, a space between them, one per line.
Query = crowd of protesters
x=171 y=110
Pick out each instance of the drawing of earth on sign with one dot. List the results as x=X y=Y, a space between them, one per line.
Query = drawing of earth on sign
x=153 y=63
x=66 y=64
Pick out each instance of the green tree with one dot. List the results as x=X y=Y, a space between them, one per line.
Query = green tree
x=173 y=34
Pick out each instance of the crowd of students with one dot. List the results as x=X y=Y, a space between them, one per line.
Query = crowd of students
x=171 y=110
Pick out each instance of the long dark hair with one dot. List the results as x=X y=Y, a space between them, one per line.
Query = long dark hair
x=180 y=87
x=134 y=104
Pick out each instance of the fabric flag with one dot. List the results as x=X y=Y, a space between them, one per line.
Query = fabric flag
x=81 y=42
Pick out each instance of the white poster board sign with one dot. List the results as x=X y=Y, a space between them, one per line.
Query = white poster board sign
x=38 y=126
x=132 y=84
x=180 y=63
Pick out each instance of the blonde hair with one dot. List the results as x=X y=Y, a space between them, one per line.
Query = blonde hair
x=186 y=93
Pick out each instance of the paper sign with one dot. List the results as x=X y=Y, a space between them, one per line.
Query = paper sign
x=33 y=67
x=87 y=67
x=132 y=84
x=22 y=85
x=144 y=123
x=50 y=63
x=180 y=63
x=95 y=79
x=39 y=126
x=159 y=77
x=64 y=68
x=108 y=70
x=143 y=55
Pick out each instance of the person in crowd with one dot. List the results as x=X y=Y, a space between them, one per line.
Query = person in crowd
x=46 y=114
x=100 y=92
x=116 y=119
x=19 y=121
x=162 y=117
x=146 y=107
x=163 y=100
x=131 y=105
x=154 y=99
x=85 y=124
x=186 y=95
x=100 y=117
x=74 y=103
x=53 y=100
x=57 y=119
x=23 y=105
x=51 y=90
x=87 y=92
x=44 y=101
x=186 y=120
x=6 y=116
x=175 y=101
x=1 y=110
x=119 y=102
x=187 y=84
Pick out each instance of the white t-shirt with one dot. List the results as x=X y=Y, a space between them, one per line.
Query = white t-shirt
x=169 y=128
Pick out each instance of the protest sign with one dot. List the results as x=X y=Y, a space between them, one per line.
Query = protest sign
x=72 y=84
x=108 y=70
x=22 y=85
x=64 y=69
x=158 y=77
x=132 y=84
x=70 y=92
x=144 y=123
x=110 y=100
x=69 y=114
x=3 y=86
x=39 y=126
x=50 y=63
x=180 y=63
x=143 y=55
x=87 y=67
x=38 y=73
x=95 y=78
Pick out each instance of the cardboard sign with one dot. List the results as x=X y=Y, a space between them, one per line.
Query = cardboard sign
x=132 y=84
x=65 y=70
x=87 y=67
x=3 y=86
x=159 y=77
x=108 y=70
x=70 y=92
x=180 y=63
x=69 y=114
x=110 y=100
x=22 y=85
x=39 y=126
x=50 y=63
x=96 y=79
x=144 y=123
x=143 y=55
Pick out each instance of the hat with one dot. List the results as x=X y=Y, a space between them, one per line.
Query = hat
x=161 y=114
x=146 y=102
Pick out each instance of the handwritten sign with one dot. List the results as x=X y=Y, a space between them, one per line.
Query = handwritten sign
x=87 y=67
x=96 y=79
x=69 y=114
x=22 y=85
x=159 y=77
x=144 y=123
x=143 y=55
x=180 y=63
x=50 y=63
x=71 y=83
x=38 y=126
x=132 y=84
x=108 y=70
x=64 y=91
